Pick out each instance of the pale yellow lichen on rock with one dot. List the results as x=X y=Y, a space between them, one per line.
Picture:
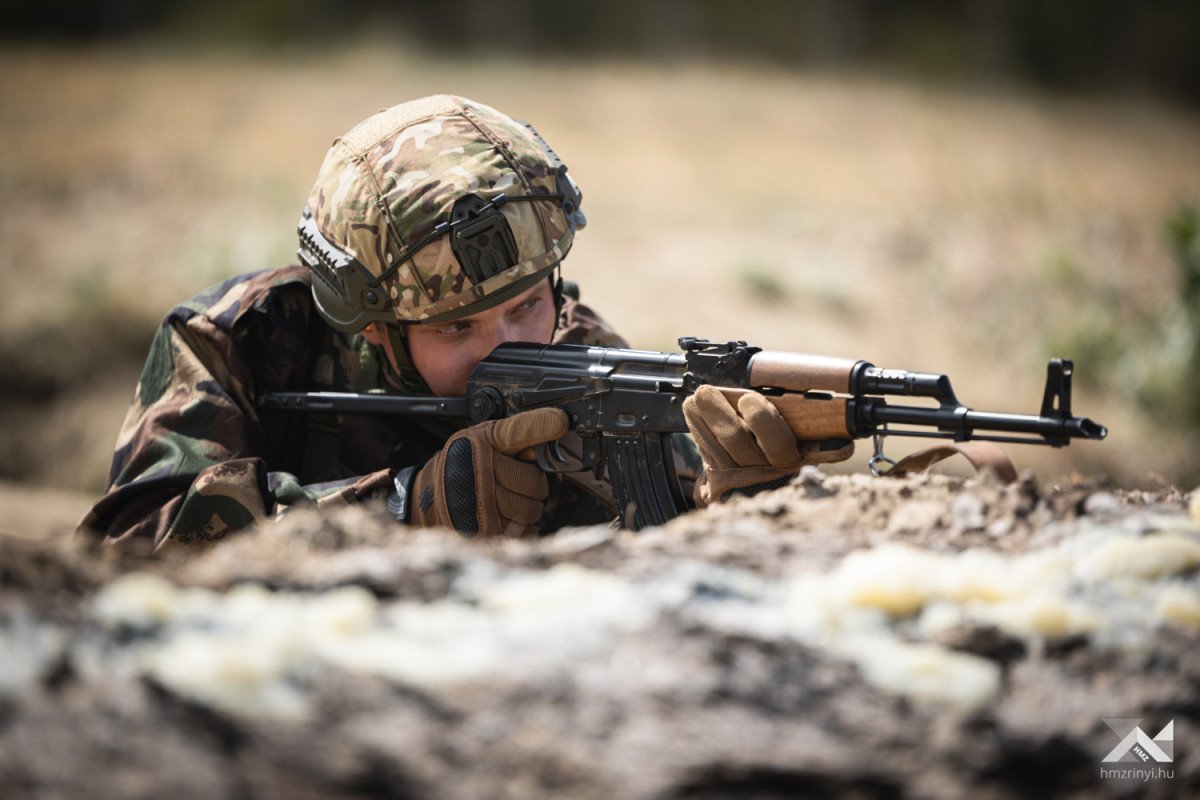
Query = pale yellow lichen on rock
x=428 y=646
x=939 y=618
x=1151 y=556
x=236 y=650
x=894 y=578
x=565 y=588
x=978 y=577
x=1104 y=583
x=925 y=672
x=241 y=650
x=1180 y=605
x=347 y=611
x=1042 y=613
x=1040 y=569
x=138 y=599
x=241 y=675
x=900 y=580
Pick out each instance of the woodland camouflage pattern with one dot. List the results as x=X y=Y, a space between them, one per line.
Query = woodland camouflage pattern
x=195 y=458
x=411 y=163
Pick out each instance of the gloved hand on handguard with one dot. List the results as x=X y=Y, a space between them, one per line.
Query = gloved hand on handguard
x=749 y=448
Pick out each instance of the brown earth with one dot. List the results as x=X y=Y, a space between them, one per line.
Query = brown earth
x=849 y=636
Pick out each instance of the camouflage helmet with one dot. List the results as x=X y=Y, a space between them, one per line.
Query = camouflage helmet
x=434 y=209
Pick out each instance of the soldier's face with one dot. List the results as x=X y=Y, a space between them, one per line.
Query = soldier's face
x=445 y=353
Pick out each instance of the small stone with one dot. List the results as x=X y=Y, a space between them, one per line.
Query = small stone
x=583 y=540
x=810 y=475
x=1000 y=528
x=1102 y=504
x=967 y=513
x=1064 y=644
x=813 y=482
x=773 y=507
x=1194 y=506
x=916 y=515
x=1027 y=492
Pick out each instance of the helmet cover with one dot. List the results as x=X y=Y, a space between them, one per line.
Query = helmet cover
x=377 y=232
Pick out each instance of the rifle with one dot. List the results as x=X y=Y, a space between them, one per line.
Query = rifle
x=625 y=404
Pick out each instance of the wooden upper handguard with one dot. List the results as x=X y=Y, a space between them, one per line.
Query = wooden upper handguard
x=796 y=372
x=810 y=418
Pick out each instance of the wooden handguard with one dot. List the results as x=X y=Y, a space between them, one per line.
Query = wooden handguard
x=796 y=372
x=811 y=419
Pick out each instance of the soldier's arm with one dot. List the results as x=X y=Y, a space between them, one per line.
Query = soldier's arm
x=190 y=459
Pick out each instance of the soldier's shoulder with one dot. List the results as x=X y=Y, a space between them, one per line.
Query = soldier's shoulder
x=285 y=290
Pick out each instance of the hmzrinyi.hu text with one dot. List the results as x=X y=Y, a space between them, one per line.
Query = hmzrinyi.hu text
x=1138 y=774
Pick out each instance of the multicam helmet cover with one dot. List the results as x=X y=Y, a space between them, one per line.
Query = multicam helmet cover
x=434 y=209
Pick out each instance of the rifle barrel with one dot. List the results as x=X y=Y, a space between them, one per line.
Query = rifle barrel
x=1056 y=430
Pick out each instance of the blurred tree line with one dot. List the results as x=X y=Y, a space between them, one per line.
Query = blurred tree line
x=1088 y=45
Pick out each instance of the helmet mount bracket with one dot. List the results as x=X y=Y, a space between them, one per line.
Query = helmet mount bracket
x=481 y=238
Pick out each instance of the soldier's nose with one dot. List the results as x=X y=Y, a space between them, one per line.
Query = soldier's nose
x=492 y=338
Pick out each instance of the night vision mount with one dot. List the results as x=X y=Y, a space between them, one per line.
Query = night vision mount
x=481 y=238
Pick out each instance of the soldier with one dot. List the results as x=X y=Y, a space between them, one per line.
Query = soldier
x=434 y=233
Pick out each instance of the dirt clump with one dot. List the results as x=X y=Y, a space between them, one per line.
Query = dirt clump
x=928 y=637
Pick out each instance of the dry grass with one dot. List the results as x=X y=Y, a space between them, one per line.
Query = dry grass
x=916 y=227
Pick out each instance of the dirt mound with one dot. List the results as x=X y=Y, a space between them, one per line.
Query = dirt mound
x=840 y=636
x=67 y=384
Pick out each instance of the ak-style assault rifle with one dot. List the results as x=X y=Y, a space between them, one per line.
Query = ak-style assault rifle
x=625 y=404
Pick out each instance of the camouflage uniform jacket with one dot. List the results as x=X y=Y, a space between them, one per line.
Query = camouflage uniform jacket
x=195 y=457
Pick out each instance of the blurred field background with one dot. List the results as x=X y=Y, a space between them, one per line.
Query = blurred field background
x=966 y=187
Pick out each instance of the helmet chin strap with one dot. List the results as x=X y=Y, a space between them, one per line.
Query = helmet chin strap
x=395 y=347
x=556 y=286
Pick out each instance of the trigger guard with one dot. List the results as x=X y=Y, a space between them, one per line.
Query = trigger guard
x=550 y=458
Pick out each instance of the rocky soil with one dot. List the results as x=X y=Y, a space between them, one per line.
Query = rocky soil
x=843 y=636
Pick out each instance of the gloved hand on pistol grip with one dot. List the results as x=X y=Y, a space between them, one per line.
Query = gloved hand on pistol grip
x=749 y=448
x=478 y=485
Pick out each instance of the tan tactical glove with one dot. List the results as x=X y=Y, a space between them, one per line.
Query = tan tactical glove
x=750 y=448
x=477 y=484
